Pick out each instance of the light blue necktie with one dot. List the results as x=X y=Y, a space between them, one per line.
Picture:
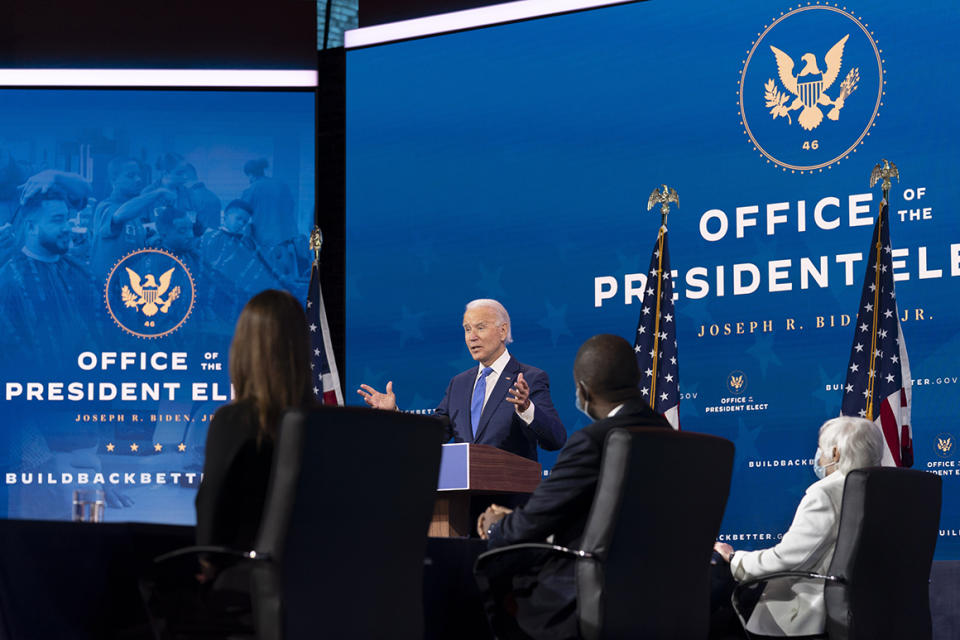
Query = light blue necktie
x=476 y=406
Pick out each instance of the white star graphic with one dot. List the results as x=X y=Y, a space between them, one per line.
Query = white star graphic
x=669 y=378
x=889 y=377
x=316 y=352
x=313 y=327
x=869 y=307
x=668 y=317
x=646 y=310
x=645 y=391
x=664 y=396
x=849 y=388
x=854 y=367
x=863 y=413
x=637 y=348
x=864 y=327
x=883 y=333
x=894 y=358
x=649 y=372
x=859 y=347
x=642 y=330
x=887 y=313
x=650 y=291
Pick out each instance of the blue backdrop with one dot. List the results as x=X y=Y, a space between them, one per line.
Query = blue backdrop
x=104 y=385
x=515 y=162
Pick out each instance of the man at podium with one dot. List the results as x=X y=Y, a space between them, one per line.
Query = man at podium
x=501 y=402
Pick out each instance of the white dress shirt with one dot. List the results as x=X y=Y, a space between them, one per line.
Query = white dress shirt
x=498 y=366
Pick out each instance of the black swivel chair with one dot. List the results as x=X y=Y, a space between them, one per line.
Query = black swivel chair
x=340 y=549
x=878 y=583
x=643 y=567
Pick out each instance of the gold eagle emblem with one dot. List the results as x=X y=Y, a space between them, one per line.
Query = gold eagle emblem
x=945 y=444
x=148 y=293
x=809 y=86
x=736 y=382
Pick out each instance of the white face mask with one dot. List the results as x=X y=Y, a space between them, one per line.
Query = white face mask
x=821 y=471
x=582 y=405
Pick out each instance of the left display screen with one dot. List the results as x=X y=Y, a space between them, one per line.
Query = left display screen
x=134 y=225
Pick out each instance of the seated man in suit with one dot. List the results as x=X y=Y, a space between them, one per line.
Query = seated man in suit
x=607 y=379
x=501 y=402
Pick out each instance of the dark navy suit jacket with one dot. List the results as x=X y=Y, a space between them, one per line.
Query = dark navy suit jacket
x=545 y=593
x=500 y=426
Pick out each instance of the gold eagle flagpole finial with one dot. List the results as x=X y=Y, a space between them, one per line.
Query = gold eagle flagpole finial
x=884 y=171
x=316 y=243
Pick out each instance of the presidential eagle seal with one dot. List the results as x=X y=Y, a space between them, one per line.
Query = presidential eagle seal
x=811 y=87
x=150 y=293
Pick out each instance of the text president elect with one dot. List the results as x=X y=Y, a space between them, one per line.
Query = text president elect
x=501 y=402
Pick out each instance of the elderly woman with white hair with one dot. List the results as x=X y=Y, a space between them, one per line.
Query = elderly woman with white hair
x=794 y=606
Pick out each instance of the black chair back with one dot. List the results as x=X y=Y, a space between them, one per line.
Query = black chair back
x=655 y=517
x=346 y=519
x=888 y=532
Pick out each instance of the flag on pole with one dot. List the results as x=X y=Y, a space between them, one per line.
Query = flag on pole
x=878 y=385
x=656 y=339
x=326 y=385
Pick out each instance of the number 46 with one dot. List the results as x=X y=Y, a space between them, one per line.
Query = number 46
x=815 y=144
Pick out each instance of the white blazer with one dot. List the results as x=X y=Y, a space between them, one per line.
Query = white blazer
x=794 y=606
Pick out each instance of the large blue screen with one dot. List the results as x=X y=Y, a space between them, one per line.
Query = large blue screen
x=515 y=162
x=124 y=262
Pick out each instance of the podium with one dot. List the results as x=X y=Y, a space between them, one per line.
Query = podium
x=476 y=469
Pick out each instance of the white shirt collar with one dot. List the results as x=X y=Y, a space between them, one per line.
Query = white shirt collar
x=498 y=365
x=615 y=410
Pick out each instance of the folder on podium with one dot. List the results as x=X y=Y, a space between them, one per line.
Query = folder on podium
x=475 y=469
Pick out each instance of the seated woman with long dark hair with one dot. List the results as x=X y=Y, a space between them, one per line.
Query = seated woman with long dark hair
x=270 y=372
x=794 y=606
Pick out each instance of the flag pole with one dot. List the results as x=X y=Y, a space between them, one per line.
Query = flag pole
x=884 y=172
x=663 y=197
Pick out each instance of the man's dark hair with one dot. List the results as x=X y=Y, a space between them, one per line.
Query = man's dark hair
x=607 y=365
x=239 y=204
x=255 y=167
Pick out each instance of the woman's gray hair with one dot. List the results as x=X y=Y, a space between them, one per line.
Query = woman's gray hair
x=859 y=441
x=500 y=310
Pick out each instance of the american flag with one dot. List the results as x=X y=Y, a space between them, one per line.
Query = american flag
x=878 y=385
x=326 y=386
x=656 y=339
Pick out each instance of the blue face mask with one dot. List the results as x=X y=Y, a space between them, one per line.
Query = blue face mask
x=821 y=471
x=582 y=406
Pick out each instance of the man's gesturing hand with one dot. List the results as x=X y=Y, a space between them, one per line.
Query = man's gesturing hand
x=520 y=394
x=386 y=401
